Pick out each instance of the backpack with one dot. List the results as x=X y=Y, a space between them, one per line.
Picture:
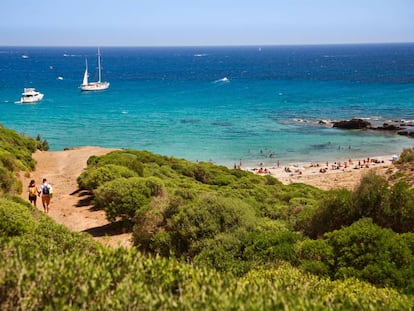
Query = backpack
x=45 y=189
x=33 y=191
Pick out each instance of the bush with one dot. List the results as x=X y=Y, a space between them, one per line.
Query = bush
x=15 y=219
x=406 y=156
x=8 y=182
x=150 y=234
x=41 y=144
x=18 y=148
x=366 y=251
x=265 y=247
x=122 y=197
x=94 y=177
x=206 y=217
x=371 y=198
x=131 y=159
x=315 y=256
x=223 y=253
x=335 y=211
x=400 y=215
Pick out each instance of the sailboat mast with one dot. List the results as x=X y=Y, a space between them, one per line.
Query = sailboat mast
x=99 y=65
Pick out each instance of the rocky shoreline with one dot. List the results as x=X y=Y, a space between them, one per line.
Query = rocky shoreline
x=401 y=127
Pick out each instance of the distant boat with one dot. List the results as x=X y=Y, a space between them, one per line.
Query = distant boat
x=25 y=56
x=30 y=95
x=93 y=86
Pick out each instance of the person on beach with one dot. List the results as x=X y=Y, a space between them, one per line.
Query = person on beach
x=33 y=192
x=46 y=191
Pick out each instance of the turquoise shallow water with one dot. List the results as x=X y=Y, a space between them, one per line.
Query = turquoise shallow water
x=215 y=104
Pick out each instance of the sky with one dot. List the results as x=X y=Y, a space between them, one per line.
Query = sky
x=203 y=23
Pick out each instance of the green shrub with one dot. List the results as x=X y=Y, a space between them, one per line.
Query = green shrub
x=149 y=232
x=366 y=251
x=19 y=148
x=41 y=144
x=371 y=198
x=335 y=211
x=122 y=197
x=205 y=217
x=94 y=177
x=131 y=159
x=315 y=256
x=15 y=219
x=9 y=182
x=223 y=253
x=400 y=215
x=406 y=156
x=123 y=279
x=271 y=247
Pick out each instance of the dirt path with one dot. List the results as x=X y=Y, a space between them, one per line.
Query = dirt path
x=69 y=206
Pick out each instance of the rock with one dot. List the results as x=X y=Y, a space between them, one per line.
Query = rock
x=406 y=133
x=388 y=127
x=352 y=124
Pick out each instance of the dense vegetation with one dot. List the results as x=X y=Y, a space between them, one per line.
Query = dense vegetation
x=208 y=237
x=232 y=220
x=44 y=266
x=16 y=155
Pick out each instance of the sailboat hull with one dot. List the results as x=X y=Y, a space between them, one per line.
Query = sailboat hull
x=95 y=86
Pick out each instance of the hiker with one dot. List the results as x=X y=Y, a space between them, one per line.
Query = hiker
x=46 y=191
x=33 y=192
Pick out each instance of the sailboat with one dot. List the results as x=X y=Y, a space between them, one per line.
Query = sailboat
x=93 y=86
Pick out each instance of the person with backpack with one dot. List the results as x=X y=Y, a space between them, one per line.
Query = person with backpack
x=33 y=192
x=46 y=191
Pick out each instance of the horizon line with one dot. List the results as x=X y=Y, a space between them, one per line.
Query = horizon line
x=210 y=45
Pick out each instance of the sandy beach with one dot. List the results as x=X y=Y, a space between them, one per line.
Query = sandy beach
x=327 y=175
x=72 y=207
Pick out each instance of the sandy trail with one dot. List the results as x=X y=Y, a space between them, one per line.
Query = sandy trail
x=70 y=206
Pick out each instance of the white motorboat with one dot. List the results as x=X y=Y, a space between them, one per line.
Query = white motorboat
x=30 y=95
x=93 y=86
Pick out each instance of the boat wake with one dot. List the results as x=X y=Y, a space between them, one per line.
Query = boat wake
x=71 y=55
x=222 y=80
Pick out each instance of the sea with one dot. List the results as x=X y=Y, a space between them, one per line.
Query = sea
x=226 y=105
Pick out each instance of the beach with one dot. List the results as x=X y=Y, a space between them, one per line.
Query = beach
x=71 y=207
x=328 y=175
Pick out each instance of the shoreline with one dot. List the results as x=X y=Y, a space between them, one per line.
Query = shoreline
x=327 y=175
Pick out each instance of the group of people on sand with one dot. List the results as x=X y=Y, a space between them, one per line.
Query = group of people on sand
x=45 y=191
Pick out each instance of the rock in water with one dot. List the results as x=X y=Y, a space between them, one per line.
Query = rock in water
x=352 y=124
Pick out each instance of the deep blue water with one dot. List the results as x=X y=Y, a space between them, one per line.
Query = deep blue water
x=219 y=104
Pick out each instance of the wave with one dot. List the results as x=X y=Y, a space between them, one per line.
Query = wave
x=200 y=55
x=222 y=80
x=318 y=122
x=70 y=55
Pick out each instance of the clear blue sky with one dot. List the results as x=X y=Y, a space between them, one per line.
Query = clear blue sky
x=208 y=22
